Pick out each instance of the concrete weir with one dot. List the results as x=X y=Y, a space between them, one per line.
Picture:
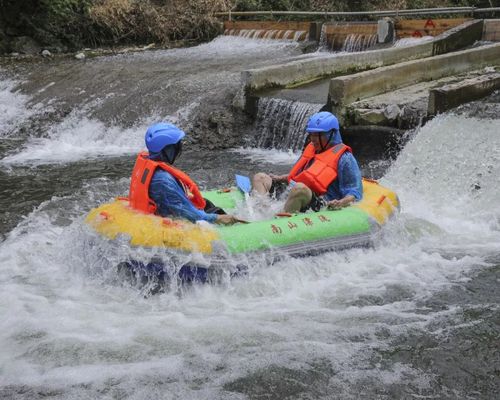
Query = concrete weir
x=387 y=87
x=303 y=71
x=345 y=90
x=450 y=96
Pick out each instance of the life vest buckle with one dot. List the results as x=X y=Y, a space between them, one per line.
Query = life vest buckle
x=283 y=214
x=105 y=215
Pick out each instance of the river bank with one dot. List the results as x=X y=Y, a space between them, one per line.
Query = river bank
x=30 y=27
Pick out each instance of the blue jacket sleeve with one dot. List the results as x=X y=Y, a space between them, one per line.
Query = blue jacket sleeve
x=172 y=201
x=349 y=177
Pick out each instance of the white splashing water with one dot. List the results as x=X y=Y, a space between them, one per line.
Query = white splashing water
x=357 y=42
x=271 y=156
x=281 y=123
x=458 y=191
x=13 y=107
x=412 y=41
x=66 y=329
x=78 y=137
x=227 y=47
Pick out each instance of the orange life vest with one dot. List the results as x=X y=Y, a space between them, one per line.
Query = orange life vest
x=141 y=178
x=323 y=170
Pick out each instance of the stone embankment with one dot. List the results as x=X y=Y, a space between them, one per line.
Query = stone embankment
x=396 y=87
x=346 y=93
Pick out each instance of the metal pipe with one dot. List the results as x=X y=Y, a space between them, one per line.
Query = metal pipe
x=483 y=10
x=387 y=13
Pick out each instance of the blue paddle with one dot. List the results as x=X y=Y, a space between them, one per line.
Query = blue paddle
x=243 y=183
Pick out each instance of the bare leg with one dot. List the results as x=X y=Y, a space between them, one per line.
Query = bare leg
x=261 y=183
x=299 y=197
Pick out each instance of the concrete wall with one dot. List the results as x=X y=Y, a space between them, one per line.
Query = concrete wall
x=304 y=71
x=459 y=37
x=261 y=28
x=347 y=89
x=450 y=96
x=491 y=30
x=425 y=27
x=336 y=33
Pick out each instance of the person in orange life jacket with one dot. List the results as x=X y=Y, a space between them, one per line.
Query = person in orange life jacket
x=327 y=174
x=157 y=187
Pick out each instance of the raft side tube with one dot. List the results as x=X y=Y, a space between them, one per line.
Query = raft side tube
x=321 y=230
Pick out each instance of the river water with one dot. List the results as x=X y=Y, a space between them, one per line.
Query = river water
x=416 y=316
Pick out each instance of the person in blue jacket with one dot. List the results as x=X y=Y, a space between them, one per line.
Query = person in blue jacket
x=313 y=188
x=169 y=191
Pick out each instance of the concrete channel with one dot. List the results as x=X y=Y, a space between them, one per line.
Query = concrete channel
x=345 y=90
x=396 y=87
x=304 y=71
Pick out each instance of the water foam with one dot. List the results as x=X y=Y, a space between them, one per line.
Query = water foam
x=79 y=137
x=13 y=107
x=412 y=41
x=458 y=188
x=70 y=330
x=226 y=47
x=271 y=156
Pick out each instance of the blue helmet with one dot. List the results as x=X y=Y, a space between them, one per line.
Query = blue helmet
x=162 y=134
x=322 y=122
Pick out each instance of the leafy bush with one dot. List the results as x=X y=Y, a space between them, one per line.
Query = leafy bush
x=75 y=23
x=161 y=21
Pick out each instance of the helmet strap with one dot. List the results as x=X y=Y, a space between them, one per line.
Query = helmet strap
x=330 y=136
x=170 y=153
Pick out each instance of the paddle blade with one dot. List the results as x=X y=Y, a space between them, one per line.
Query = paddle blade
x=243 y=183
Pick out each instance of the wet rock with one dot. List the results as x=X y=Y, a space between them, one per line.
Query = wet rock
x=385 y=30
x=450 y=96
x=4 y=43
x=25 y=45
x=309 y=46
x=218 y=126
x=373 y=140
x=10 y=31
x=392 y=112
x=370 y=117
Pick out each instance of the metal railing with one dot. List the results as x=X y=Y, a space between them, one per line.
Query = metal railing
x=387 y=13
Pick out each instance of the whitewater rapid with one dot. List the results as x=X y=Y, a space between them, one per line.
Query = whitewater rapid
x=334 y=325
x=66 y=328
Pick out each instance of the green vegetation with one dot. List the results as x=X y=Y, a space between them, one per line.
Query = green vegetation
x=62 y=25
x=352 y=5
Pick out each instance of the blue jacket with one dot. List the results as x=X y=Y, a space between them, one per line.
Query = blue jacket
x=348 y=180
x=171 y=200
x=349 y=176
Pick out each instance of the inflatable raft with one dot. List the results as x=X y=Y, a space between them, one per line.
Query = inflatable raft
x=296 y=235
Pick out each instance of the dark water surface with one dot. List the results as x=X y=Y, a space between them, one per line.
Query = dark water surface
x=416 y=316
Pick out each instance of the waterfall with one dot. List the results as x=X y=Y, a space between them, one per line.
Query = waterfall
x=297 y=35
x=356 y=42
x=323 y=43
x=280 y=123
x=270 y=34
x=267 y=34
